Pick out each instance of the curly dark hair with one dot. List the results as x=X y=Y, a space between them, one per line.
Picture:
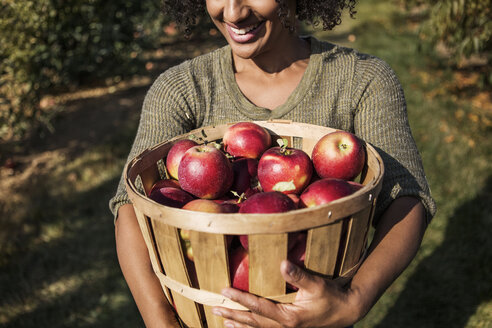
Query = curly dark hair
x=328 y=12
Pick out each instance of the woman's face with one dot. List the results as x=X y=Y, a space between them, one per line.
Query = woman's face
x=251 y=27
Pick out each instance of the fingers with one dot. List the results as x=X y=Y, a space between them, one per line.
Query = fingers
x=300 y=278
x=264 y=313
x=237 y=319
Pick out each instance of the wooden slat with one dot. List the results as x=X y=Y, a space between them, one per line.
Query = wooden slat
x=322 y=243
x=371 y=216
x=210 y=256
x=266 y=252
x=143 y=222
x=370 y=169
x=171 y=255
x=308 y=145
x=356 y=239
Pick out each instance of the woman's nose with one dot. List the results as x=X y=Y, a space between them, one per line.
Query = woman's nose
x=235 y=10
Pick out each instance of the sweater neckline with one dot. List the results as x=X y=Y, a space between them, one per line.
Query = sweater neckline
x=246 y=107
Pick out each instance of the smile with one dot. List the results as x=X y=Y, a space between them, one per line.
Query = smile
x=242 y=31
x=244 y=34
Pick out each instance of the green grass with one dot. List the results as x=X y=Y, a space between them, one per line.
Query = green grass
x=58 y=265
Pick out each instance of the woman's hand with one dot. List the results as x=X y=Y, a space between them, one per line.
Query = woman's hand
x=319 y=303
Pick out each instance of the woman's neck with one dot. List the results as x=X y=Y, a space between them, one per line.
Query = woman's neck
x=279 y=75
x=277 y=59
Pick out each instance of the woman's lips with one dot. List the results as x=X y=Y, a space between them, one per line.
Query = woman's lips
x=245 y=34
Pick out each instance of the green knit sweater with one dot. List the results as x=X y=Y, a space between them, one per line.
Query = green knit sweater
x=341 y=88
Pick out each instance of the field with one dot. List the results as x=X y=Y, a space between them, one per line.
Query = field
x=58 y=264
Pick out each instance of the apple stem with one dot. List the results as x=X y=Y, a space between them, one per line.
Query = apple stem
x=229 y=156
x=216 y=145
x=240 y=198
x=283 y=144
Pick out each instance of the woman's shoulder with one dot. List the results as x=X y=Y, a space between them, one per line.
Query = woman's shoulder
x=342 y=57
x=193 y=70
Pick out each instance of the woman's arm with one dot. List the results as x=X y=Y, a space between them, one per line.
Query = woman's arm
x=136 y=267
x=396 y=241
x=322 y=303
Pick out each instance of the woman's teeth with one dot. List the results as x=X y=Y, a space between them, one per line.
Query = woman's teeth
x=242 y=31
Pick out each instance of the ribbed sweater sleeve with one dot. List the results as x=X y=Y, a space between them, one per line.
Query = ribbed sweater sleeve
x=381 y=119
x=169 y=109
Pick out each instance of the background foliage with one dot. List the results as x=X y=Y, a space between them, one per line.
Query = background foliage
x=462 y=29
x=48 y=45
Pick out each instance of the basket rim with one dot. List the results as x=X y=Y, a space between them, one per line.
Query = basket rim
x=241 y=223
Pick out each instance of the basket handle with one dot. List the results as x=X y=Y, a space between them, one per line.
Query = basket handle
x=198 y=295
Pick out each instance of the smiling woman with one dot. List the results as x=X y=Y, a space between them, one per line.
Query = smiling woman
x=267 y=71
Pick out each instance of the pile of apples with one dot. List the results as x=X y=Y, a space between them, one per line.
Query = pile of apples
x=245 y=173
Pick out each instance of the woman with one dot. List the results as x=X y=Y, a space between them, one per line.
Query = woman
x=267 y=71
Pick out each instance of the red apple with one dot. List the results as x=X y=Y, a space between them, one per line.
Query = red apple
x=239 y=269
x=251 y=191
x=205 y=172
x=355 y=185
x=287 y=170
x=246 y=139
x=265 y=202
x=324 y=191
x=175 y=154
x=165 y=183
x=295 y=198
x=201 y=205
x=340 y=155
x=245 y=173
x=230 y=207
x=170 y=196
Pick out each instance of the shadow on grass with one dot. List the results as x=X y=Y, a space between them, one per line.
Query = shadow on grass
x=72 y=279
x=448 y=286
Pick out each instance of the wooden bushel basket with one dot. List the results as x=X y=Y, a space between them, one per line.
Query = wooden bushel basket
x=336 y=242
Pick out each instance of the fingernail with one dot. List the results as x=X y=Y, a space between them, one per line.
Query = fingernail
x=228 y=324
